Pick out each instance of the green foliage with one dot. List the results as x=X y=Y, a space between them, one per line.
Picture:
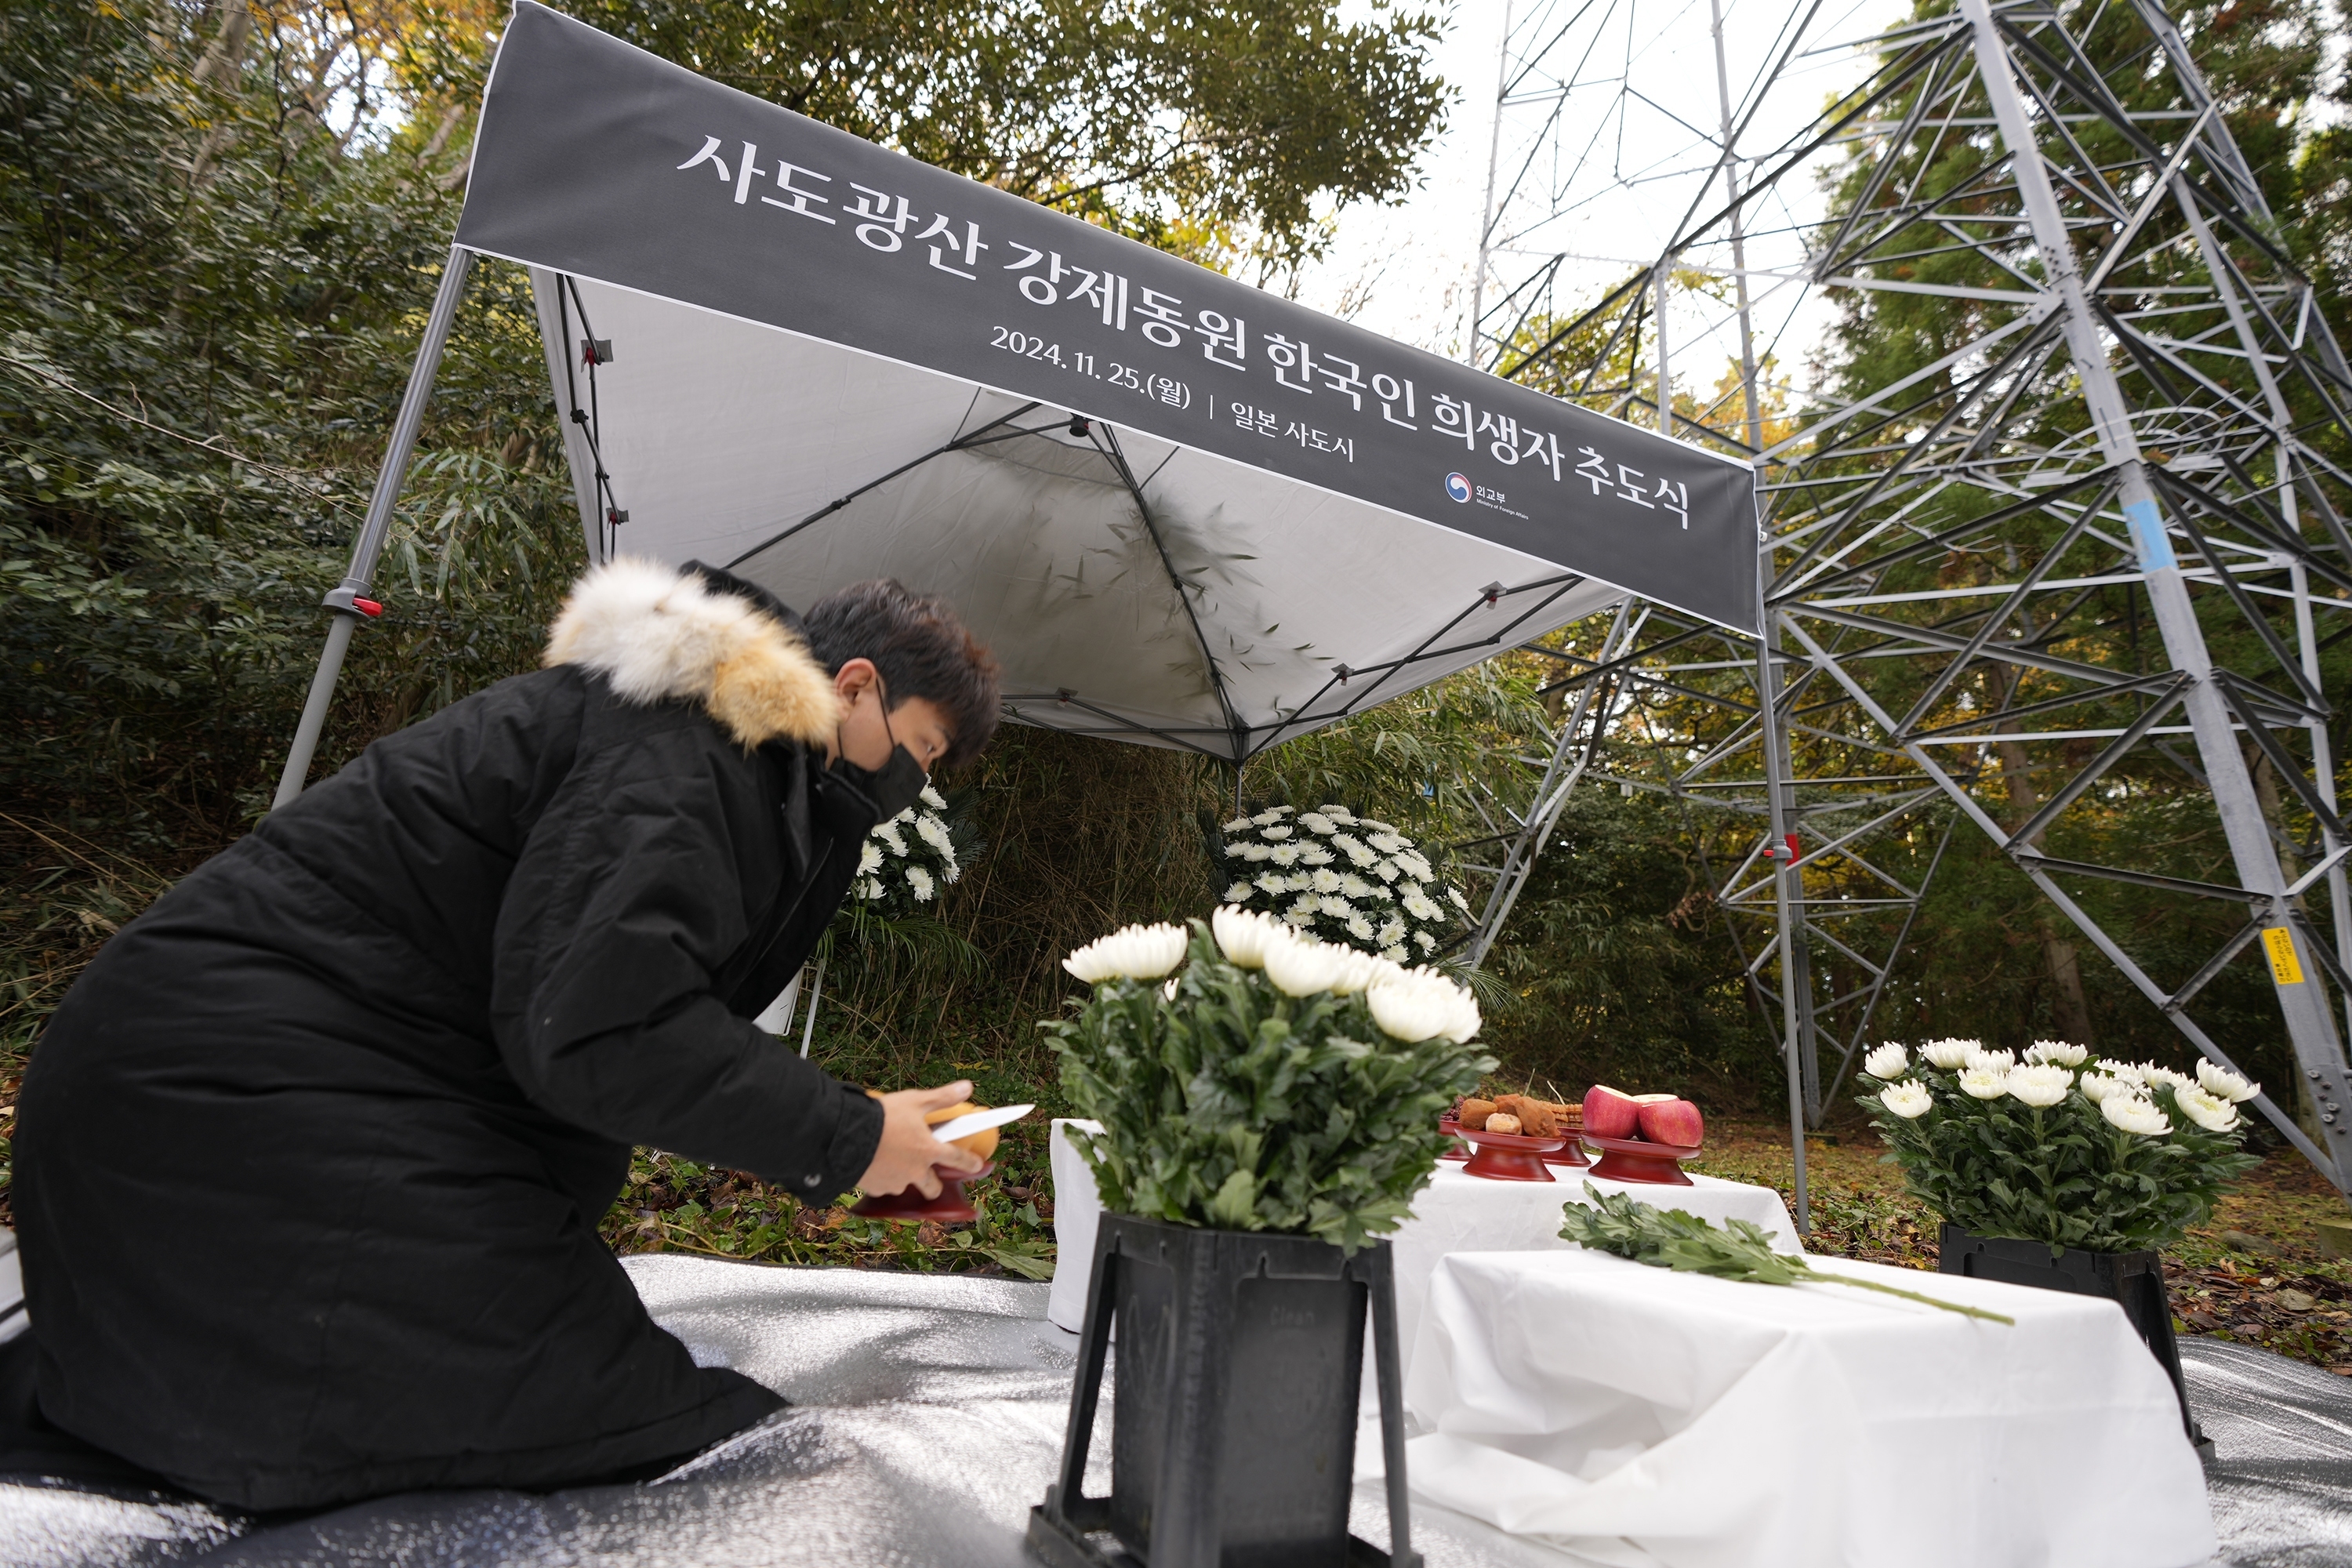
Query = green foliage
x=2059 y=1175
x=1234 y=1106
x=1225 y=132
x=1738 y=1249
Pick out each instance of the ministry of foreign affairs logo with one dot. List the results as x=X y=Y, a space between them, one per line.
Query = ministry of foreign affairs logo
x=1457 y=487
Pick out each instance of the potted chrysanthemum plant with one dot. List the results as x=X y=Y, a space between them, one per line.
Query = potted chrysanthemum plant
x=1269 y=1107
x=1352 y=880
x=909 y=861
x=2062 y=1171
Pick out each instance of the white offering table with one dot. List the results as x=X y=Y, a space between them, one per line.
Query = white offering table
x=1455 y=1213
x=1633 y=1416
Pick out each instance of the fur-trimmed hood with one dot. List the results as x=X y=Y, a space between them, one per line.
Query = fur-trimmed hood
x=658 y=633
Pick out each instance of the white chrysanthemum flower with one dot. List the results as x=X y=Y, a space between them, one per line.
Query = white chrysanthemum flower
x=1417 y=866
x=1459 y=901
x=1387 y=843
x=1949 y=1054
x=1275 y=884
x=920 y=881
x=1889 y=1061
x=1359 y=927
x=1420 y=908
x=2222 y=1081
x=1332 y=904
x=1243 y=935
x=1392 y=932
x=1419 y=1005
x=906 y=816
x=1338 y=813
x=869 y=858
x=1355 y=887
x=1428 y=943
x=1991 y=1061
x=934 y=832
x=1325 y=880
x=870 y=888
x=1255 y=854
x=2123 y=1073
x=1298 y=920
x=1278 y=833
x=1310 y=854
x=2132 y=1114
x=1238 y=824
x=1301 y=966
x=1270 y=816
x=1283 y=854
x=1239 y=893
x=2208 y=1111
x=2097 y=1086
x=888 y=833
x=1387 y=872
x=1374 y=824
x=1136 y=952
x=2041 y=1084
x=1353 y=847
x=932 y=798
x=2057 y=1053
x=2151 y=1075
x=1316 y=822
x=1360 y=971
x=1909 y=1100
x=1985 y=1083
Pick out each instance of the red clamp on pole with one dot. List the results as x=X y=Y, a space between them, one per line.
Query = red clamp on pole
x=1784 y=850
x=369 y=607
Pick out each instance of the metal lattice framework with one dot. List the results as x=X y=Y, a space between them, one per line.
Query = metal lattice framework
x=2085 y=537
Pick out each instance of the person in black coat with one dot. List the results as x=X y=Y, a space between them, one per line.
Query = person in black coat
x=309 y=1162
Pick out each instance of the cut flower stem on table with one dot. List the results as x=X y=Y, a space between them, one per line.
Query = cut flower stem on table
x=1620 y=1225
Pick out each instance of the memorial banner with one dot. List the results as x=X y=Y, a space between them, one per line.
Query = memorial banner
x=598 y=160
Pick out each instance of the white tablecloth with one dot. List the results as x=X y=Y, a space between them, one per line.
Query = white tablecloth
x=1455 y=1213
x=1459 y=1212
x=1632 y=1415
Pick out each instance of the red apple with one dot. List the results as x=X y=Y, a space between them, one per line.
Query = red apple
x=1609 y=1113
x=1676 y=1121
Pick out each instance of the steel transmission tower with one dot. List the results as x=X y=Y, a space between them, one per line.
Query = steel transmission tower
x=2069 y=534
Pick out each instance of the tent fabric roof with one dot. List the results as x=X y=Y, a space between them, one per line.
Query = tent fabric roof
x=1181 y=510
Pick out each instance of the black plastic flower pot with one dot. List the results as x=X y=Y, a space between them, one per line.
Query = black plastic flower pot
x=2133 y=1281
x=1234 y=1403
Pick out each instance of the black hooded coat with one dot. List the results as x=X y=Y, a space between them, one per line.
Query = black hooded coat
x=311 y=1160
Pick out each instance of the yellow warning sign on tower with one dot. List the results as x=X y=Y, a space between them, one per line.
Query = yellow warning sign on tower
x=2279 y=942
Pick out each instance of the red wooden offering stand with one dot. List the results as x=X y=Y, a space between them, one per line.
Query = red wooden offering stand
x=1508 y=1156
x=1632 y=1160
x=950 y=1207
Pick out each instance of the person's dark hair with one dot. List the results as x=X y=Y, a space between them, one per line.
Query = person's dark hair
x=920 y=646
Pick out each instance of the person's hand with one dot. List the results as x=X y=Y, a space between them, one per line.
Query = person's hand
x=908 y=1151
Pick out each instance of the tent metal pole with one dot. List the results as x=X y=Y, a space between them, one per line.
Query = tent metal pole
x=344 y=601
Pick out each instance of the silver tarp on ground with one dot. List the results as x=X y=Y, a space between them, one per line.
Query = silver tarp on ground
x=929 y=1417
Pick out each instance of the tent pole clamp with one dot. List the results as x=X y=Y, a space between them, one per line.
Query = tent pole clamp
x=349 y=600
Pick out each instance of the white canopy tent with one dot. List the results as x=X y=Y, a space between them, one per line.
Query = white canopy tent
x=1180 y=511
